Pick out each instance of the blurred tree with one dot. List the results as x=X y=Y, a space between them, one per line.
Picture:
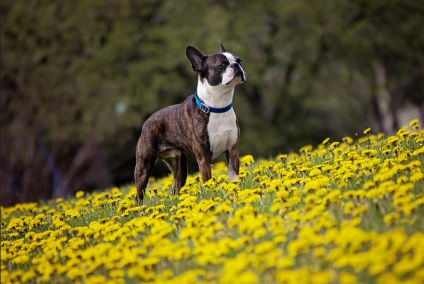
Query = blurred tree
x=80 y=77
x=65 y=71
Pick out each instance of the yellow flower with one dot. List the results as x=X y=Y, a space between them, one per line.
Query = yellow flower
x=282 y=157
x=347 y=278
x=314 y=172
x=347 y=140
x=247 y=160
x=392 y=140
x=402 y=132
x=416 y=176
x=306 y=149
x=20 y=259
x=94 y=279
x=369 y=153
x=419 y=151
x=75 y=272
x=248 y=277
x=72 y=213
x=321 y=277
x=265 y=247
x=414 y=124
x=368 y=130
x=28 y=275
x=387 y=277
x=391 y=218
x=79 y=194
x=349 y=207
x=116 y=273
x=285 y=262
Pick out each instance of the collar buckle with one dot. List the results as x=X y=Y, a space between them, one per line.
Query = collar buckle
x=204 y=108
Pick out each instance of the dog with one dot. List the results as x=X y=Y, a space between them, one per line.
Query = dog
x=203 y=126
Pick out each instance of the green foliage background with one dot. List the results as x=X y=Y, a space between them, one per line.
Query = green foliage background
x=80 y=77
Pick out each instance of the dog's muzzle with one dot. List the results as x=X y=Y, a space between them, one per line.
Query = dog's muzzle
x=238 y=72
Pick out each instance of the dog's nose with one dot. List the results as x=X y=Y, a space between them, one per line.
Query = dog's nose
x=236 y=67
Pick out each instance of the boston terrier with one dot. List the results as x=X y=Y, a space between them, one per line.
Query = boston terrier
x=203 y=126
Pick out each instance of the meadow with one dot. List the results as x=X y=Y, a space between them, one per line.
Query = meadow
x=349 y=211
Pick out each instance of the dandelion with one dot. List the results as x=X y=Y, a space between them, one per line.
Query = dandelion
x=116 y=192
x=414 y=124
x=247 y=160
x=28 y=275
x=72 y=213
x=347 y=140
x=416 y=176
x=369 y=153
x=79 y=194
x=282 y=157
x=264 y=247
x=367 y=131
x=347 y=278
x=314 y=172
x=325 y=141
x=306 y=149
x=402 y=132
x=20 y=259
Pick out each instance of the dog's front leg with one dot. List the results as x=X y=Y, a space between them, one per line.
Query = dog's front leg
x=204 y=162
x=233 y=162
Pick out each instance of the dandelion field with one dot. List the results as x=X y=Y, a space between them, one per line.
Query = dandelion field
x=342 y=212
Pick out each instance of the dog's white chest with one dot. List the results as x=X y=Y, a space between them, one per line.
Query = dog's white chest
x=222 y=131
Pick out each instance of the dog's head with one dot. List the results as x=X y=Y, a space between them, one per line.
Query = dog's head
x=222 y=68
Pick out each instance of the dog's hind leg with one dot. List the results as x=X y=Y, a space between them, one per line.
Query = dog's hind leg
x=143 y=170
x=178 y=166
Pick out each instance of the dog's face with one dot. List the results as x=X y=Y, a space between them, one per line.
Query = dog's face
x=221 y=68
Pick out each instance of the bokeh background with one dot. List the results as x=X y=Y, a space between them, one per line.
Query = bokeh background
x=79 y=78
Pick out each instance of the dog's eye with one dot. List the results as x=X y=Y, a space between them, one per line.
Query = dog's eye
x=238 y=60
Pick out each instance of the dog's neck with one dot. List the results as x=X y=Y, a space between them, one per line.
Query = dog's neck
x=215 y=96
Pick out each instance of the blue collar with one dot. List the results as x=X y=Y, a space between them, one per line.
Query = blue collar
x=208 y=109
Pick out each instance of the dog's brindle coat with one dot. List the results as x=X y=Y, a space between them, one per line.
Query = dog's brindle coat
x=171 y=133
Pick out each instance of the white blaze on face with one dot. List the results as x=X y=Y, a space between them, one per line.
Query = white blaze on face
x=230 y=57
x=228 y=75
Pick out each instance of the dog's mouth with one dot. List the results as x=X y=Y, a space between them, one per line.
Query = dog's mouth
x=241 y=75
x=238 y=72
x=237 y=78
x=235 y=75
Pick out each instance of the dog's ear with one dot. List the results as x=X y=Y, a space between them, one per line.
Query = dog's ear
x=221 y=48
x=196 y=58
